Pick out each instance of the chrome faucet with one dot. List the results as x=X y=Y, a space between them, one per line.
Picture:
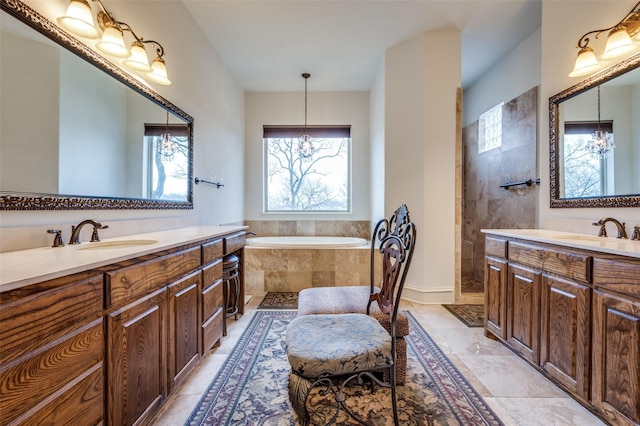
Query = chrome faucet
x=75 y=231
x=622 y=232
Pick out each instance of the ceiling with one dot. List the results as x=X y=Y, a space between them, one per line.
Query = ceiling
x=268 y=44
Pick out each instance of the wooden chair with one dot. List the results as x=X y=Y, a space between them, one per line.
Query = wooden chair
x=332 y=351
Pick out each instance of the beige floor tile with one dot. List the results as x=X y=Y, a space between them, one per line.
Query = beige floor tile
x=548 y=412
x=517 y=393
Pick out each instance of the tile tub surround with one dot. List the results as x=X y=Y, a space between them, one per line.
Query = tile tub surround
x=295 y=269
x=328 y=228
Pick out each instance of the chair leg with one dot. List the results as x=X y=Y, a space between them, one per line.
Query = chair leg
x=394 y=399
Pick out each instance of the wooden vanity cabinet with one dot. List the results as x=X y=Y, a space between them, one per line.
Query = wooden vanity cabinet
x=579 y=311
x=108 y=346
x=615 y=386
x=565 y=337
x=495 y=287
x=184 y=328
x=523 y=311
x=136 y=359
x=140 y=368
x=52 y=352
x=212 y=320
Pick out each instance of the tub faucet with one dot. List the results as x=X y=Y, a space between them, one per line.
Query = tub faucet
x=75 y=231
x=622 y=232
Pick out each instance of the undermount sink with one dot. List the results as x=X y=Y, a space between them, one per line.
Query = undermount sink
x=116 y=244
x=583 y=238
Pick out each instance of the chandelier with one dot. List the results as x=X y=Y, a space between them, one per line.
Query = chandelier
x=305 y=142
x=78 y=19
x=600 y=143
x=166 y=147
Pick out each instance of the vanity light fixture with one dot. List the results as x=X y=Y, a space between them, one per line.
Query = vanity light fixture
x=600 y=143
x=79 y=20
x=622 y=38
x=305 y=141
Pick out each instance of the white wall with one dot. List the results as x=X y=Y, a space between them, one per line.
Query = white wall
x=377 y=175
x=420 y=155
x=562 y=24
x=513 y=75
x=204 y=88
x=324 y=108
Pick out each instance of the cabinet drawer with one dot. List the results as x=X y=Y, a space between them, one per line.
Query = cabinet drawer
x=81 y=404
x=50 y=369
x=31 y=321
x=495 y=246
x=619 y=275
x=141 y=279
x=211 y=331
x=234 y=242
x=211 y=274
x=568 y=264
x=211 y=300
x=212 y=251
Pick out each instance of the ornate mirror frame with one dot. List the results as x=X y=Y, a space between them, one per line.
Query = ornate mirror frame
x=554 y=177
x=29 y=201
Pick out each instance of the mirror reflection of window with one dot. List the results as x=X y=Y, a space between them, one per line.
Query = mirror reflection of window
x=167 y=162
x=586 y=175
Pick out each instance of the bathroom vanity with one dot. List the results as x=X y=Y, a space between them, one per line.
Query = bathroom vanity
x=569 y=304
x=103 y=333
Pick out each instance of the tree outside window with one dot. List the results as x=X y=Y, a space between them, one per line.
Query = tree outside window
x=584 y=175
x=317 y=183
x=167 y=161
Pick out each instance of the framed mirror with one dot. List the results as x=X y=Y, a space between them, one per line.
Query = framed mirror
x=602 y=171
x=77 y=132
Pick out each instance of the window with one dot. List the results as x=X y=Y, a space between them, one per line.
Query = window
x=490 y=129
x=167 y=161
x=584 y=175
x=318 y=183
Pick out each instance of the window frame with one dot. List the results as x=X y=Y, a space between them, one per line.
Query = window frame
x=316 y=132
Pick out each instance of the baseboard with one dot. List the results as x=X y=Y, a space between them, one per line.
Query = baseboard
x=428 y=296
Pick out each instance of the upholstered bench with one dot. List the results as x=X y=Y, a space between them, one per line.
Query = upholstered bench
x=353 y=299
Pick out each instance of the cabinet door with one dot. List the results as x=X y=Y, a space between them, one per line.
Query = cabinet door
x=184 y=326
x=495 y=296
x=565 y=338
x=615 y=388
x=523 y=312
x=136 y=359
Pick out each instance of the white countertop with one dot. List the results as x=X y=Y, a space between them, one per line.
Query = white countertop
x=24 y=267
x=610 y=245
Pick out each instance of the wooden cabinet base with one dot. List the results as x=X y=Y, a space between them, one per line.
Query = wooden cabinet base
x=574 y=315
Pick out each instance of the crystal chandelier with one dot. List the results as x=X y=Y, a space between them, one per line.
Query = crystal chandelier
x=305 y=142
x=600 y=143
x=167 y=148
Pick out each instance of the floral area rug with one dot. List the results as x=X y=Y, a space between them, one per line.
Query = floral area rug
x=251 y=388
x=470 y=315
x=279 y=300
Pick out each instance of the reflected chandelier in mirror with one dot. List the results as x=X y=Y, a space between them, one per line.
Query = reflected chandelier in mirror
x=582 y=172
x=84 y=115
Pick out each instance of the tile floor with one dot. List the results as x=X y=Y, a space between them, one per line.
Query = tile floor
x=515 y=391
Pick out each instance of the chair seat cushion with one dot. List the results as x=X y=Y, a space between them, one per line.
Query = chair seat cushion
x=346 y=299
x=317 y=345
